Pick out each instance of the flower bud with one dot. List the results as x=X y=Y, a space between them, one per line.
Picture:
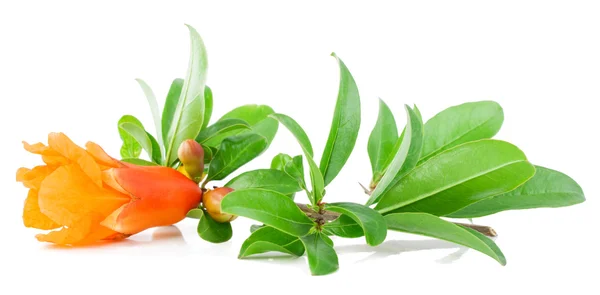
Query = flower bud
x=191 y=155
x=212 y=203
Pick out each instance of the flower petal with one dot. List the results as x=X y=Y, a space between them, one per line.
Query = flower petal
x=69 y=195
x=68 y=235
x=49 y=156
x=87 y=231
x=101 y=156
x=65 y=147
x=34 y=177
x=33 y=217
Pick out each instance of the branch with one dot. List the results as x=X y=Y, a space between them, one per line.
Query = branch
x=326 y=216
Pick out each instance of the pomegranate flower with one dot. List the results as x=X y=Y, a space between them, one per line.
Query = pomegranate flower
x=89 y=196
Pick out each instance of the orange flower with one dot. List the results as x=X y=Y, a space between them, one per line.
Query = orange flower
x=92 y=197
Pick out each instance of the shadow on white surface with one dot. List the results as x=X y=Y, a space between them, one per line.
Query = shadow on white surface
x=161 y=236
x=396 y=247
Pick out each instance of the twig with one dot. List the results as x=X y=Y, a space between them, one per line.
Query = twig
x=486 y=230
x=326 y=216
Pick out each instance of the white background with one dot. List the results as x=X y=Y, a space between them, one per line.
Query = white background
x=70 y=67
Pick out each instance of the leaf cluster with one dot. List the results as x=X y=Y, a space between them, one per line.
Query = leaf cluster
x=422 y=173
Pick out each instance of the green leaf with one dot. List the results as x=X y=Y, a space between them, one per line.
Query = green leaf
x=295 y=169
x=459 y=177
x=460 y=124
x=371 y=221
x=435 y=227
x=140 y=135
x=269 y=179
x=268 y=239
x=220 y=127
x=195 y=213
x=130 y=148
x=212 y=231
x=257 y=116
x=234 y=152
x=316 y=178
x=382 y=140
x=156 y=153
x=547 y=189
x=209 y=154
x=345 y=227
x=297 y=131
x=208 y=106
x=406 y=157
x=344 y=128
x=189 y=113
x=279 y=161
x=154 y=109
x=322 y=258
x=269 y=207
x=139 y=162
x=170 y=107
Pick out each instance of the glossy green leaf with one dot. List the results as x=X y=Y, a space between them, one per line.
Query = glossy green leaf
x=212 y=231
x=297 y=131
x=345 y=227
x=269 y=207
x=156 y=152
x=130 y=148
x=460 y=124
x=234 y=152
x=170 y=107
x=195 y=213
x=257 y=116
x=189 y=113
x=221 y=127
x=269 y=179
x=406 y=157
x=268 y=239
x=295 y=168
x=435 y=227
x=459 y=177
x=154 y=109
x=279 y=161
x=371 y=221
x=318 y=184
x=547 y=189
x=139 y=162
x=322 y=258
x=140 y=135
x=344 y=128
x=208 y=106
x=382 y=140
x=209 y=154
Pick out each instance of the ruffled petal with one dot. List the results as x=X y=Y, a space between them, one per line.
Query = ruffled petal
x=66 y=148
x=49 y=156
x=68 y=195
x=87 y=231
x=33 y=217
x=32 y=178
x=69 y=235
x=101 y=156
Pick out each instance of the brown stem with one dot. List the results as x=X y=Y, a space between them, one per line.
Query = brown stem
x=325 y=216
x=486 y=230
